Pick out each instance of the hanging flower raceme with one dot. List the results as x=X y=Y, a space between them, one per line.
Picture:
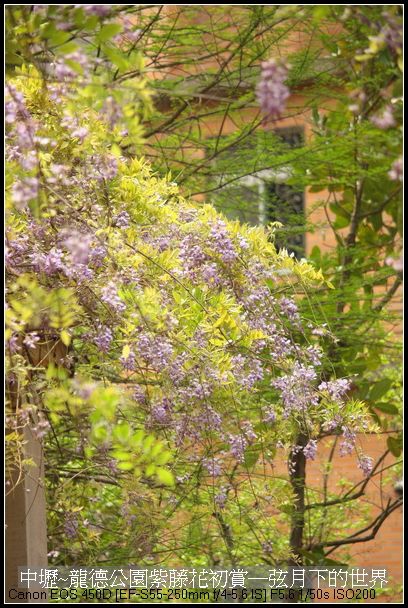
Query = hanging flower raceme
x=271 y=91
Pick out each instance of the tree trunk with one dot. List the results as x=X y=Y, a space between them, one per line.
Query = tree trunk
x=298 y=482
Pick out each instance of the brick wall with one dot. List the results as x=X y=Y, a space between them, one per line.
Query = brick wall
x=386 y=550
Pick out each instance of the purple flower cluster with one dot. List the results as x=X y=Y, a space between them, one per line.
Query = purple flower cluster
x=103 y=167
x=310 y=449
x=49 y=263
x=191 y=254
x=297 y=388
x=99 y=10
x=248 y=431
x=247 y=371
x=208 y=419
x=122 y=220
x=13 y=344
x=396 y=173
x=333 y=424
x=21 y=141
x=176 y=370
x=212 y=465
x=85 y=390
x=97 y=254
x=31 y=340
x=79 y=272
x=185 y=429
x=349 y=441
x=260 y=313
x=78 y=255
x=337 y=389
x=314 y=354
x=397 y=264
x=269 y=415
x=17 y=249
x=139 y=395
x=71 y=525
x=271 y=91
x=295 y=449
x=366 y=463
x=14 y=106
x=155 y=350
x=24 y=191
x=289 y=309
x=385 y=120
x=200 y=259
x=75 y=129
x=41 y=429
x=221 y=498
x=238 y=444
x=221 y=242
x=392 y=33
x=161 y=412
x=196 y=389
x=112 y=111
x=39 y=426
x=63 y=69
x=80 y=133
x=110 y=296
x=59 y=175
x=210 y=274
x=129 y=363
x=78 y=245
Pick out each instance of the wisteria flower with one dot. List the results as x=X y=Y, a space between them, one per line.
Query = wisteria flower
x=271 y=91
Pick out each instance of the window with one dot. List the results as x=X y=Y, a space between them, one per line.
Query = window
x=250 y=188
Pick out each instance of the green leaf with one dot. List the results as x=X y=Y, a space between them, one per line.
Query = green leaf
x=387 y=408
x=148 y=442
x=137 y=439
x=340 y=222
x=125 y=466
x=65 y=337
x=59 y=37
x=165 y=476
x=380 y=388
x=163 y=457
x=122 y=432
x=120 y=455
x=150 y=470
x=100 y=433
x=395 y=445
x=77 y=67
x=117 y=58
x=316 y=255
x=90 y=24
x=108 y=31
x=68 y=47
x=339 y=211
x=126 y=351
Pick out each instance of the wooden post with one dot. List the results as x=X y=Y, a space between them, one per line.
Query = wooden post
x=26 y=528
x=26 y=515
